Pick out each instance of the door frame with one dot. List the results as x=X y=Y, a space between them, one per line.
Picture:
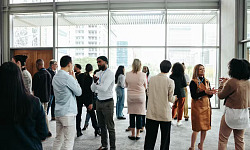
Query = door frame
x=29 y=48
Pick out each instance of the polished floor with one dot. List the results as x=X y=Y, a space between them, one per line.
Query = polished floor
x=180 y=136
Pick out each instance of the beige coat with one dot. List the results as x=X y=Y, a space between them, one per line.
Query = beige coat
x=160 y=93
x=136 y=96
x=237 y=93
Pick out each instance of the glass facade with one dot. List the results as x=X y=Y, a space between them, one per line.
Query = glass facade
x=152 y=35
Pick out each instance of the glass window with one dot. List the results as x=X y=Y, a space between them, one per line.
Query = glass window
x=150 y=57
x=82 y=29
x=82 y=56
x=192 y=28
x=194 y=56
x=31 y=30
x=138 y=28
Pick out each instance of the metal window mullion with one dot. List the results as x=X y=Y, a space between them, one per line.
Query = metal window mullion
x=166 y=25
x=108 y=27
x=6 y=32
x=54 y=25
x=1 y=32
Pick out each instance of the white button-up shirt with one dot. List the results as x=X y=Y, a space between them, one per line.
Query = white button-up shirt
x=104 y=85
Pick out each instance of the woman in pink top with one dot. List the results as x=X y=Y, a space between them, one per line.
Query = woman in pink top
x=136 y=83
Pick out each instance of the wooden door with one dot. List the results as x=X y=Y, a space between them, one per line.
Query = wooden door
x=33 y=55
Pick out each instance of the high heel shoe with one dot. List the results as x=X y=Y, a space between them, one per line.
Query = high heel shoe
x=199 y=147
x=97 y=132
x=85 y=127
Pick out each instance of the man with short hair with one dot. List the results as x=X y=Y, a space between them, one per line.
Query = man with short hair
x=77 y=69
x=20 y=60
x=160 y=93
x=66 y=88
x=104 y=83
x=41 y=86
x=52 y=70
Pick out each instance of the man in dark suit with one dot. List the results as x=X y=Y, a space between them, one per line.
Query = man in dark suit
x=52 y=70
x=41 y=86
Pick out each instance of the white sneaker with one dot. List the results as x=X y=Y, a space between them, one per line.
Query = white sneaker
x=179 y=123
x=172 y=123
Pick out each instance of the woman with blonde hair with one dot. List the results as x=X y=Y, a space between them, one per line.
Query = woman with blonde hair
x=136 y=83
x=200 y=106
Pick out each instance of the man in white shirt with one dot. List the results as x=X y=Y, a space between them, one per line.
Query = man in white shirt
x=66 y=88
x=104 y=84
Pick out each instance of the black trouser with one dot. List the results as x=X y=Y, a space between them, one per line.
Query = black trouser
x=105 y=112
x=52 y=105
x=151 y=134
x=138 y=121
x=53 y=108
x=79 y=115
x=143 y=119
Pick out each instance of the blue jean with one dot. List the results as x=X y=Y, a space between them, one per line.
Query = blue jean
x=120 y=101
x=52 y=105
x=87 y=119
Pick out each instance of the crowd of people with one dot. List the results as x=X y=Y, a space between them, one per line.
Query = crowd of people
x=25 y=102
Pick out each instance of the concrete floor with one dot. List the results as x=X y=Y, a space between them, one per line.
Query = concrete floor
x=180 y=136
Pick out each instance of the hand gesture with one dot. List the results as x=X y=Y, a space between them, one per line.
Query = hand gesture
x=211 y=91
x=222 y=80
x=72 y=73
x=95 y=79
x=90 y=107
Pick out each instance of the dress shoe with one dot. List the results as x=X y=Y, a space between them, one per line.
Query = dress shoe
x=85 y=127
x=102 y=148
x=79 y=134
x=49 y=134
x=128 y=129
x=53 y=119
x=132 y=137
x=97 y=132
x=121 y=118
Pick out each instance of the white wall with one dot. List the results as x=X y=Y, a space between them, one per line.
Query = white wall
x=228 y=33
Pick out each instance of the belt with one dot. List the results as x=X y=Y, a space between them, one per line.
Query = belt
x=106 y=100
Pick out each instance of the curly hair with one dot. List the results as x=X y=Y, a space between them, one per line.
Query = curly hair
x=239 y=69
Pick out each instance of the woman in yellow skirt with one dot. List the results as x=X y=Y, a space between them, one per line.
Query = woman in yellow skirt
x=200 y=106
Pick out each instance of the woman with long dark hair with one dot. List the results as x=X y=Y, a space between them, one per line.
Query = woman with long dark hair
x=180 y=82
x=23 y=124
x=120 y=85
x=235 y=91
x=85 y=81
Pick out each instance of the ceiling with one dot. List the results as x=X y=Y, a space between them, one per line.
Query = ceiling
x=117 y=18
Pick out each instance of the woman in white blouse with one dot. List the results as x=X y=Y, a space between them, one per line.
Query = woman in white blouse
x=120 y=85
